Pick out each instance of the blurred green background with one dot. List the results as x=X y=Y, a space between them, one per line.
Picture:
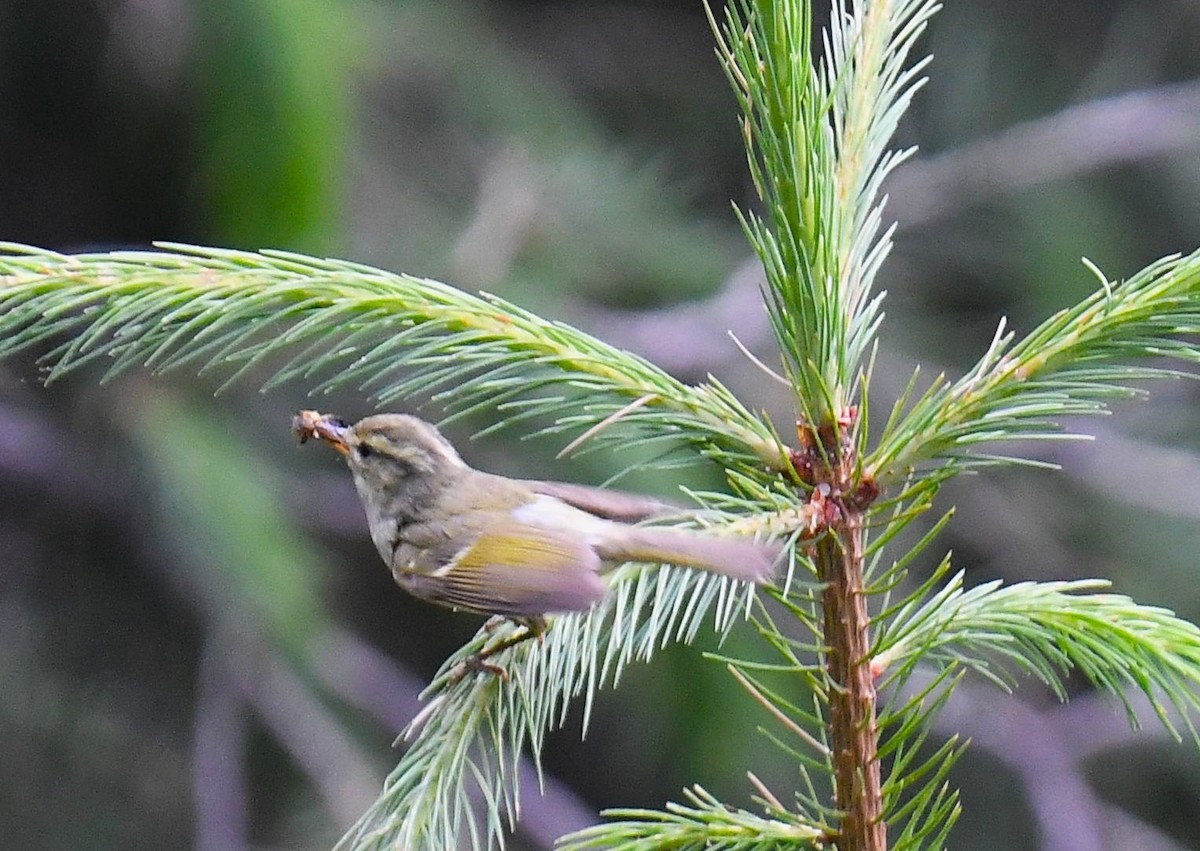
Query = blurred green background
x=198 y=645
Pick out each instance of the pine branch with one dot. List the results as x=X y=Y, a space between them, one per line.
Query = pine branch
x=1073 y=364
x=816 y=141
x=475 y=728
x=869 y=84
x=1047 y=629
x=392 y=335
x=704 y=824
x=915 y=797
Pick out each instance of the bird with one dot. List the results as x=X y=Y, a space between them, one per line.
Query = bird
x=519 y=549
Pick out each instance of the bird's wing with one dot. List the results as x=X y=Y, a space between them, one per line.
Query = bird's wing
x=602 y=502
x=515 y=570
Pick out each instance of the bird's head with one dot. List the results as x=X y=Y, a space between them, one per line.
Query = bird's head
x=388 y=454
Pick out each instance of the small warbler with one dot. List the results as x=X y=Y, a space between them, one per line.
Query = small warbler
x=517 y=548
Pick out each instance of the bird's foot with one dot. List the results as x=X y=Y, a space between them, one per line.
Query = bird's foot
x=478 y=662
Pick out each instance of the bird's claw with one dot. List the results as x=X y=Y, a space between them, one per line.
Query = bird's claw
x=478 y=662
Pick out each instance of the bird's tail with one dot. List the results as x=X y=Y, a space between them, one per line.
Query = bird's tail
x=739 y=558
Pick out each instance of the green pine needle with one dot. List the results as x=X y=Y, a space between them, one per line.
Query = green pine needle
x=392 y=335
x=1048 y=629
x=817 y=141
x=703 y=824
x=1074 y=363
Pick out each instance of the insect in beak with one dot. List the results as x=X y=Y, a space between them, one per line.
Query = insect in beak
x=311 y=424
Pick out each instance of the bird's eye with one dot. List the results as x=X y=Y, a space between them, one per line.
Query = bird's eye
x=363 y=450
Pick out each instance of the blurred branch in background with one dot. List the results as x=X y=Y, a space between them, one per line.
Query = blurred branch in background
x=666 y=335
x=1048 y=750
x=220 y=786
x=1119 y=129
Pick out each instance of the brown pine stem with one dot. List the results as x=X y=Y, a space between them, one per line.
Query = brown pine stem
x=853 y=732
x=826 y=461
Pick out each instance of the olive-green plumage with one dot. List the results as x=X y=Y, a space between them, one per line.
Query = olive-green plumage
x=519 y=548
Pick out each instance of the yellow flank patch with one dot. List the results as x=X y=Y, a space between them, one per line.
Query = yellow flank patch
x=522 y=570
x=534 y=550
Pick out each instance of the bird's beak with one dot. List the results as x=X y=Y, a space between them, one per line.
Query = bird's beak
x=326 y=427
